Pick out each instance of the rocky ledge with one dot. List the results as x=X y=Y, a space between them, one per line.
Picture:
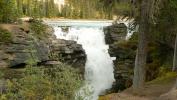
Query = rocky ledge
x=114 y=35
x=48 y=47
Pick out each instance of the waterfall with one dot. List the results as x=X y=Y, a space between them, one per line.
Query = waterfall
x=99 y=65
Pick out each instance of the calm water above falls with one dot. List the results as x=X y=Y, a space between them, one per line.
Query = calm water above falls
x=99 y=65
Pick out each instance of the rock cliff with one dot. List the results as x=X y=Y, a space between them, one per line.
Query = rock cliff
x=124 y=62
x=48 y=49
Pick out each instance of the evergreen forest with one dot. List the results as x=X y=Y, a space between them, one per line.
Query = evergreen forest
x=12 y=10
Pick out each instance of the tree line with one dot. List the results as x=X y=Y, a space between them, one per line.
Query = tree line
x=84 y=9
x=13 y=10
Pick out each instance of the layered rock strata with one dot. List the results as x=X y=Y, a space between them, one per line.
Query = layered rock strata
x=48 y=48
x=124 y=60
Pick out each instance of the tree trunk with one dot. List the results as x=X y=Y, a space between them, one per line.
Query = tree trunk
x=44 y=8
x=175 y=56
x=140 y=61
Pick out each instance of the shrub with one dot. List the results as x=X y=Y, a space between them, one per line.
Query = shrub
x=164 y=77
x=37 y=26
x=59 y=83
x=5 y=36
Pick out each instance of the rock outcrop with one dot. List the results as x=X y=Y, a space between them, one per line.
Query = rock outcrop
x=70 y=51
x=124 y=60
x=48 y=47
x=115 y=33
x=13 y=53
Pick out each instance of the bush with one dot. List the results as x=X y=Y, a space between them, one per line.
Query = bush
x=37 y=26
x=59 y=83
x=5 y=36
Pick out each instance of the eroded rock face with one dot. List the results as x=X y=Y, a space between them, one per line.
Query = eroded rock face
x=48 y=48
x=71 y=52
x=115 y=33
x=13 y=53
x=124 y=60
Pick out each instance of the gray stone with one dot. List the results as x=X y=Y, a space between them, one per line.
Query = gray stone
x=113 y=35
x=13 y=54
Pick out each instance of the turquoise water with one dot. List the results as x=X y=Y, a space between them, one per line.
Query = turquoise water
x=98 y=24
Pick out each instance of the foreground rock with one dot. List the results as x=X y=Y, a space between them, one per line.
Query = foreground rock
x=48 y=49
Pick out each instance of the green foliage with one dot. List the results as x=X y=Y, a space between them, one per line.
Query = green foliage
x=54 y=57
x=164 y=30
x=164 y=77
x=5 y=36
x=58 y=83
x=37 y=26
x=2 y=81
x=46 y=83
x=156 y=71
x=85 y=92
x=121 y=8
x=51 y=9
x=164 y=69
x=158 y=52
x=127 y=44
x=84 y=9
x=33 y=60
x=11 y=10
x=160 y=65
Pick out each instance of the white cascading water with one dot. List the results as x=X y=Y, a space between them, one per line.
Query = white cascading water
x=99 y=65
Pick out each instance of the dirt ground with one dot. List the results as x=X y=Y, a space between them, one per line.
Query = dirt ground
x=151 y=91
